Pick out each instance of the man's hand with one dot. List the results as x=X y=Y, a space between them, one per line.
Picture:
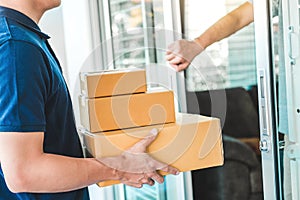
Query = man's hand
x=135 y=167
x=181 y=53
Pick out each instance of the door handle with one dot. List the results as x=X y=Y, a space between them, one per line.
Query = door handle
x=264 y=145
x=294 y=44
x=262 y=100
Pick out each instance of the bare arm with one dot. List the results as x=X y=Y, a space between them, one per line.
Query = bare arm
x=28 y=169
x=181 y=53
x=227 y=25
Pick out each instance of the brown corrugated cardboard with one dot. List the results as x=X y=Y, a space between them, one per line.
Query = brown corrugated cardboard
x=127 y=111
x=113 y=82
x=192 y=142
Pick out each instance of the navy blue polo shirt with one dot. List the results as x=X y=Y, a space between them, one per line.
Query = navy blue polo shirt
x=34 y=96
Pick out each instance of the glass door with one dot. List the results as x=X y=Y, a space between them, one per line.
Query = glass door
x=277 y=38
x=135 y=33
x=248 y=80
x=289 y=118
x=222 y=82
x=267 y=97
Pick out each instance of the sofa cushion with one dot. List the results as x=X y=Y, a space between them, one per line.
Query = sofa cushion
x=233 y=106
x=239 y=177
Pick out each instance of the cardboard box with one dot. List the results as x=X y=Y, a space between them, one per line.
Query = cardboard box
x=113 y=82
x=193 y=142
x=127 y=111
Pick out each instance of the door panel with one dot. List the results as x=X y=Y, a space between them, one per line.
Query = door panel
x=222 y=82
x=291 y=71
x=265 y=29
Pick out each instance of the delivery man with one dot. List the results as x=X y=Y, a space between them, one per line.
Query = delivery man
x=40 y=152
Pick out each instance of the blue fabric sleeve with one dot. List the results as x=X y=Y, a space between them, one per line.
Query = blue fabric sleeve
x=23 y=90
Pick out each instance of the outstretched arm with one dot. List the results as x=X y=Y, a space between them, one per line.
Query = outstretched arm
x=181 y=53
x=227 y=25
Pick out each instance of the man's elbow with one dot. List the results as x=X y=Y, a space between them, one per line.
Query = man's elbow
x=18 y=182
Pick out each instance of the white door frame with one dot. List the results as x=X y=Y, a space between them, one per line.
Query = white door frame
x=267 y=104
x=291 y=36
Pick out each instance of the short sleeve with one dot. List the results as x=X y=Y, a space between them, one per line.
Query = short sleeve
x=23 y=87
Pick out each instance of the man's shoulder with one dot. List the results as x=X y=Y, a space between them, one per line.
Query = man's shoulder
x=10 y=30
x=5 y=33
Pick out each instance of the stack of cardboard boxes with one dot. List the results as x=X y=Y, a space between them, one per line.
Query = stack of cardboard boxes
x=117 y=110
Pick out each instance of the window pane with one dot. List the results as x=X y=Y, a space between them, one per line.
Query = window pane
x=128 y=21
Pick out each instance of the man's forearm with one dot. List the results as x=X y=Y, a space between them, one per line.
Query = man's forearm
x=54 y=173
x=27 y=168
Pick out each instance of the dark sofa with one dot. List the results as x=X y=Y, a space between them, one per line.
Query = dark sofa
x=240 y=176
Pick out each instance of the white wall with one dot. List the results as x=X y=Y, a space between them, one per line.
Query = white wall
x=77 y=37
x=52 y=24
x=69 y=28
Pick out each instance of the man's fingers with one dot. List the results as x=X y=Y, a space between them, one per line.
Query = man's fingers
x=139 y=182
x=157 y=165
x=155 y=176
x=136 y=185
x=171 y=170
x=151 y=182
x=147 y=180
x=141 y=146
